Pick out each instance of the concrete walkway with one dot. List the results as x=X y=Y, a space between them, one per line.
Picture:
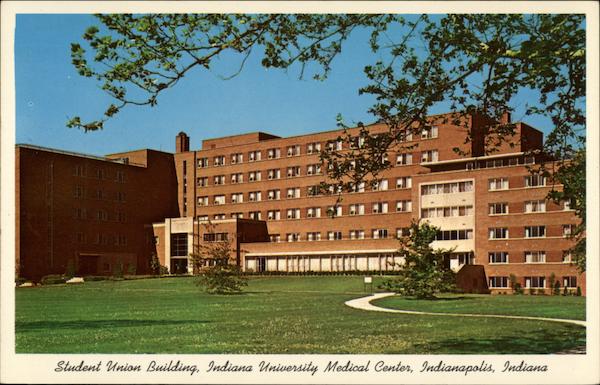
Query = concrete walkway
x=364 y=303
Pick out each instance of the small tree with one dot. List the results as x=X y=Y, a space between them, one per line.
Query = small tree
x=424 y=271
x=155 y=264
x=211 y=262
x=118 y=270
x=556 y=289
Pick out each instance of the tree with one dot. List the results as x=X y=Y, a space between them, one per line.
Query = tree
x=424 y=271
x=212 y=263
x=473 y=62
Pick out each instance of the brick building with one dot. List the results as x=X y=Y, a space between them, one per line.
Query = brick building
x=256 y=189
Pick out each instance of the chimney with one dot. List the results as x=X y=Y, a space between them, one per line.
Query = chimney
x=182 y=142
x=505 y=119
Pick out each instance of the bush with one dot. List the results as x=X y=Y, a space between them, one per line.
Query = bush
x=578 y=293
x=118 y=270
x=565 y=291
x=163 y=270
x=52 y=279
x=556 y=288
x=20 y=280
x=518 y=290
x=96 y=278
x=131 y=269
x=70 y=271
x=222 y=279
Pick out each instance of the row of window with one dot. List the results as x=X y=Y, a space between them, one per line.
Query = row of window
x=311 y=148
x=100 y=173
x=335 y=235
x=537 y=256
x=103 y=239
x=79 y=192
x=447 y=188
x=534 y=206
x=100 y=215
x=255 y=176
x=534 y=180
x=494 y=163
x=538 y=282
x=530 y=231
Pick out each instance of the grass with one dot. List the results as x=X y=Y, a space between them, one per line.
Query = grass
x=523 y=305
x=274 y=315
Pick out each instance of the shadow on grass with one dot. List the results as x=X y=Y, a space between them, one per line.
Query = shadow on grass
x=546 y=341
x=436 y=299
x=21 y=326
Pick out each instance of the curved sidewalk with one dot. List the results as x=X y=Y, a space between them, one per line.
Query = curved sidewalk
x=364 y=303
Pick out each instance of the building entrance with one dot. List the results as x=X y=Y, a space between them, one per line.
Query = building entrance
x=179 y=266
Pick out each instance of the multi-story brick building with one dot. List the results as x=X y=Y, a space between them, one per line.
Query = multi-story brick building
x=258 y=189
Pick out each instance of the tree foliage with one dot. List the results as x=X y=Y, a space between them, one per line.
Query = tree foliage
x=473 y=62
x=424 y=271
x=212 y=264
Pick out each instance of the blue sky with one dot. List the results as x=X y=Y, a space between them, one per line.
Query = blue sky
x=49 y=91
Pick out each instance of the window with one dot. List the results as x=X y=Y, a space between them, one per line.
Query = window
x=237 y=215
x=498 y=208
x=403 y=159
x=203 y=162
x=120 y=176
x=498 y=257
x=215 y=237
x=274 y=195
x=254 y=215
x=402 y=232
x=499 y=282
x=357 y=234
x=293 y=213
x=494 y=163
x=379 y=233
x=78 y=192
x=237 y=178
x=254 y=176
x=313 y=236
x=219 y=160
x=381 y=185
x=219 y=200
x=498 y=184
x=79 y=170
x=219 y=180
x=120 y=196
x=313 y=169
x=254 y=196
x=274 y=215
x=357 y=209
x=498 y=233
x=202 y=182
x=535 y=282
x=313 y=148
x=535 y=180
x=179 y=245
x=102 y=215
x=253 y=155
x=203 y=201
x=274 y=174
x=535 y=257
x=293 y=171
x=274 y=153
x=404 y=182
x=447 y=188
x=275 y=237
x=334 y=211
x=567 y=257
x=538 y=206
x=312 y=191
x=570 y=281
x=429 y=156
x=451 y=211
x=453 y=235
x=292 y=237
x=237 y=158
x=358 y=187
x=380 y=208
x=219 y=216
x=237 y=197
x=429 y=132
x=203 y=217
x=293 y=150
x=80 y=213
x=313 y=212
x=406 y=136
x=403 y=206
x=334 y=235
x=334 y=145
x=293 y=192
x=567 y=205
x=99 y=173
x=568 y=230
x=535 y=231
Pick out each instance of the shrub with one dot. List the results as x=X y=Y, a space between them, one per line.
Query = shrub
x=70 y=271
x=222 y=279
x=565 y=291
x=20 y=280
x=118 y=270
x=155 y=264
x=52 y=279
x=96 y=278
x=131 y=269
x=518 y=290
x=578 y=293
x=556 y=288
x=163 y=270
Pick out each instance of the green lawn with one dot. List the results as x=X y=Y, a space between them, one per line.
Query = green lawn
x=524 y=305
x=274 y=315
